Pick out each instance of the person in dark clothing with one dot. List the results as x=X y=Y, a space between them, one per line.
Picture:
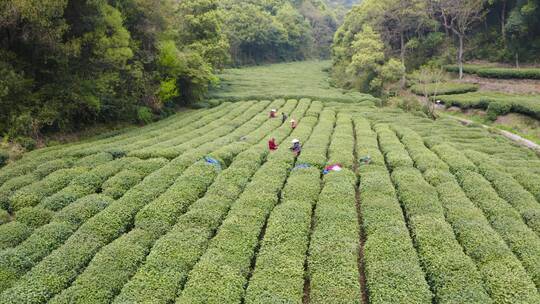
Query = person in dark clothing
x=283 y=117
x=296 y=147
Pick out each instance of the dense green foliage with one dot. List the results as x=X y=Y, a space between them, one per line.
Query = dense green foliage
x=65 y=64
x=427 y=31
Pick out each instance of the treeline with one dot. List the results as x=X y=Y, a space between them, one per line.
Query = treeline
x=382 y=36
x=65 y=64
x=278 y=30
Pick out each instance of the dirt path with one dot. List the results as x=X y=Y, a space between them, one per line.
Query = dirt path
x=518 y=86
x=513 y=137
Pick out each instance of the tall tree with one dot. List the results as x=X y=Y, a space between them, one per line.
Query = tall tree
x=459 y=16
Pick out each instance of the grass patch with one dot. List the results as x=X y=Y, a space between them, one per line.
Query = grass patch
x=294 y=80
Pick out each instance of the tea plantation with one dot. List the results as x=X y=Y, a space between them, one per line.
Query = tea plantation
x=441 y=213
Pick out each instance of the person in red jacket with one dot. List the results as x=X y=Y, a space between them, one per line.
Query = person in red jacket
x=273 y=113
x=272 y=144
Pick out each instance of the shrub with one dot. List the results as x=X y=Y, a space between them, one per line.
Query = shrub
x=51 y=166
x=109 y=269
x=334 y=242
x=34 y=217
x=117 y=185
x=63 y=198
x=4 y=217
x=4 y=157
x=238 y=235
x=510 y=73
x=159 y=216
x=94 y=160
x=12 y=233
x=496 y=109
x=387 y=236
x=519 y=103
x=520 y=238
x=14 y=262
x=145 y=115
x=83 y=209
x=503 y=273
x=26 y=142
x=32 y=194
x=454 y=278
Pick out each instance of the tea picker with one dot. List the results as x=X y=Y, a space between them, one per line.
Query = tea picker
x=272 y=144
x=296 y=147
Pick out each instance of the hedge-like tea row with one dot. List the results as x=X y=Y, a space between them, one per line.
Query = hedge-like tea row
x=54 y=165
x=115 y=263
x=196 y=129
x=315 y=151
x=53 y=274
x=7 y=189
x=103 y=279
x=523 y=242
x=333 y=252
x=167 y=265
x=424 y=159
x=80 y=185
x=34 y=193
x=497 y=72
x=454 y=158
x=342 y=144
x=109 y=268
x=14 y=262
x=221 y=273
x=452 y=275
x=85 y=184
x=505 y=279
x=18 y=181
x=117 y=185
x=446 y=88
x=162 y=130
x=315 y=109
x=234 y=119
x=286 y=239
x=509 y=73
x=392 y=268
x=393 y=151
x=529 y=181
x=367 y=144
x=495 y=103
x=509 y=190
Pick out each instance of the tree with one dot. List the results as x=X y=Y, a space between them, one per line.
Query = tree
x=459 y=16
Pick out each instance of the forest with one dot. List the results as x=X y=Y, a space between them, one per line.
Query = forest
x=68 y=64
x=381 y=40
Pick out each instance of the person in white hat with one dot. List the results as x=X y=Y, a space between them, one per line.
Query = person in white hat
x=293 y=124
x=273 y=113
x=296 y=147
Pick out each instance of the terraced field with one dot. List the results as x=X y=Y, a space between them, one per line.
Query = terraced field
x=442 y=214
